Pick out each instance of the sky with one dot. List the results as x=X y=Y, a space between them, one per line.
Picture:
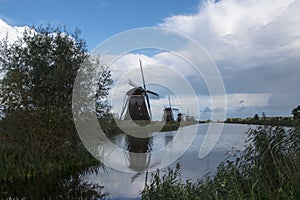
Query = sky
x=97 y=19
x=254 y=44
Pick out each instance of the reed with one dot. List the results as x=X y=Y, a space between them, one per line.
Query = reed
x=268 y=169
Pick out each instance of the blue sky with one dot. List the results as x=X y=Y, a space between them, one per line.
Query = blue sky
x=255 y=44
x=97 y=19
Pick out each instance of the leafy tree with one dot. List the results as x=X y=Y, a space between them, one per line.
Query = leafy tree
x=256 y=117
x=40 y=69
x=38 y=72
x=296 y=112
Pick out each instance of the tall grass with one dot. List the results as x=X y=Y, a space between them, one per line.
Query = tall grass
x=35 y=144
x=69 y=185
x=268 y=169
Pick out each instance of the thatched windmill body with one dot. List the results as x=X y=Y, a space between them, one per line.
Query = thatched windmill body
x=136 y=103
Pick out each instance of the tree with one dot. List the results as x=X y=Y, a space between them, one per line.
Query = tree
x=256 y=117
x=296 y=112
x=39 y=71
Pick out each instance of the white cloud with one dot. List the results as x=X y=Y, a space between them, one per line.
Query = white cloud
x=12 y=33
x=255 y=44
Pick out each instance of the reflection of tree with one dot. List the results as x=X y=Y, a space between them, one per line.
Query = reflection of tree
x=57 y=186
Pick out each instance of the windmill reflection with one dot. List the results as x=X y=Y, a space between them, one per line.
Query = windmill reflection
x=139 y=155
x=168 y=137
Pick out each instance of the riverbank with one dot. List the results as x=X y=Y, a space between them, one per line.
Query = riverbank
x=111 y=126
x=270 y=121
x=42 y=175
x=57 y=185
x=19 y=164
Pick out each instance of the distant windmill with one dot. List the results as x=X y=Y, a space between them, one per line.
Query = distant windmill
x=168 y=112
x=136 y=103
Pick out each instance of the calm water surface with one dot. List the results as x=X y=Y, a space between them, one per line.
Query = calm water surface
x=127 y=185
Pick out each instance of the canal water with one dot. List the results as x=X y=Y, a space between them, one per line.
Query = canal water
x=128 y=184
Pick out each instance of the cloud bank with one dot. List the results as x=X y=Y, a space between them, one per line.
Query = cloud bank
x=256 y=46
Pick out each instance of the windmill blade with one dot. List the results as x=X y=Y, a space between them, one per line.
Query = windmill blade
x=130 y=82
x=153 y=93
x=148 y=102
x=142 y=75
x=125 y=102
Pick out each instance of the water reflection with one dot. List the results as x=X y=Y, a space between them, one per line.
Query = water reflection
x=168 y=137
x=139 y=156
x=55 y=186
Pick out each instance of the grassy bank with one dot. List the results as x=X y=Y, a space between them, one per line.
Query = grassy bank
x=38 y=143
x=268 y=169
x=17 y=163
x=110 y=126
x=271 y=121
x=68 y=185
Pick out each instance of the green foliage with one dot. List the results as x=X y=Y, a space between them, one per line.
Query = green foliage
x=271 y=121
x=169 y=186
x=268 y=169
x=40 y=69
x=68 y=185
x=46 y=142
x=37 y=129
x=256 y=117
x=296 y=112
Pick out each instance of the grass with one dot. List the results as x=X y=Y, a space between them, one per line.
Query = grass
x=42 y=157
x=68 y=185
x=37 y=144
x=271 y=121
x=17 y=163
x=268 y=169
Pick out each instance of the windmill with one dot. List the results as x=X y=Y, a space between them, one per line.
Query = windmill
x=168 y=112
x=136 y=103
